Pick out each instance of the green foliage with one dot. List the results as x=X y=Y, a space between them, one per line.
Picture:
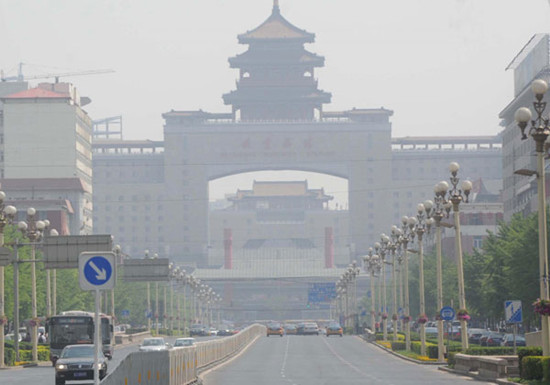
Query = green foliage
x=490 y=351
x=533 y=367
x=527 y=351
x=9 y=356
x=451 y=359
x=398 y=345
x=431 y=349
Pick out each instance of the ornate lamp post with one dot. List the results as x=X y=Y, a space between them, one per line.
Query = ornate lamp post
x=407 y=236
x=392 y=246
x=456 y=196
x=422 y=224
x=33 y=229
x=539 y=131
x=382 y=249
x=441 y=210
x=7 y=213
x=372 y=265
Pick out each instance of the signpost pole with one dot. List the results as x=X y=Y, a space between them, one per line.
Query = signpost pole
x=515 y=332
x=97 y=340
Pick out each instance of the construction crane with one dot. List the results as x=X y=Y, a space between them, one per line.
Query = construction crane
x=20 y=77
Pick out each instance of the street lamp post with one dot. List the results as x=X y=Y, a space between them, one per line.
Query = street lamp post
x=456 y=196
x=372 y=262
x=406 y=237
x=441 y=209
x=539 y=131
x=381 y=249
x=393 y=247
x=33 y=229
x=7 y=213
x=422 y=224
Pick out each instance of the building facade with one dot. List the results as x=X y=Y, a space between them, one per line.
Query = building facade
x=277 y=121
x=48 y=153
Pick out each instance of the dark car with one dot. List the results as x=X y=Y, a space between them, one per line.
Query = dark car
x=76 y=362
x=491 y=339
x=475 y=334
x=225 y=332
x=508 y=340
x=300 y=328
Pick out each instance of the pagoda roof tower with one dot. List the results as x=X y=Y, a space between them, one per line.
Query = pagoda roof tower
x=276 y=73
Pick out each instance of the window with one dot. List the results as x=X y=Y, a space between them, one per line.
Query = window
x=478 y=242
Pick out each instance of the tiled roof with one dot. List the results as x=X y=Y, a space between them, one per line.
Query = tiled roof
x=276 y=27
x=37 y=93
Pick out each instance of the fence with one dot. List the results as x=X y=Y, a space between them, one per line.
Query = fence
x=179 y=366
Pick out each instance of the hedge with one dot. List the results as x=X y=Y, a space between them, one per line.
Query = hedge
x=431 y=349
x=491 y=351
x=527 y=351
x=451 y=359
x=536 y=368
x=398 y=345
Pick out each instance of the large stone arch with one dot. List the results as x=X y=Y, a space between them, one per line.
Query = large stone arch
x=197 y=151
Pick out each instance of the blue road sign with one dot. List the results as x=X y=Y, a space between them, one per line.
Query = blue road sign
x=322 y=292
x=125 y=313
x=96 y=271
x=447 y=313
x=513 y=312
x=148 y=314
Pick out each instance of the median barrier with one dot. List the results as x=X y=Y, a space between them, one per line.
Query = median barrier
x=123 y=339
x=179 y=366
x=487 y=367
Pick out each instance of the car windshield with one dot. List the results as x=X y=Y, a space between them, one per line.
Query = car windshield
x=184 y=342
x=153 y=342
x=77 y=352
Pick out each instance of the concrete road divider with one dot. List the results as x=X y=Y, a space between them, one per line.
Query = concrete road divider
x=179 y=366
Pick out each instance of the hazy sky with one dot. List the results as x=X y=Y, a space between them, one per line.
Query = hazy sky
x=438 y=64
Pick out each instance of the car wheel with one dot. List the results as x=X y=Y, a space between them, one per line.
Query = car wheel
x=59 y=381
x=281 y=335
x=341 y=335
x=268 y=335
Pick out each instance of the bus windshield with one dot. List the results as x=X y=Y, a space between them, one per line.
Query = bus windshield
x=71 y=330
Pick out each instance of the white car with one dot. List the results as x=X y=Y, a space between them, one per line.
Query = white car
x=182 y=342
x=154 y=344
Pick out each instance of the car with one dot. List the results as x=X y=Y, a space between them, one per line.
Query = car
x=198 y=330
x=154 y=344
x=76 y=362
x=290 y=329
x=310 y=328
x=225 y=332
x=182 y=342
x=431 y=331
x=475 y=334
x=335 y=330
x=491 y=339
x=212 y=332
x=508 y=340
x=274 y=329
x=300 y=328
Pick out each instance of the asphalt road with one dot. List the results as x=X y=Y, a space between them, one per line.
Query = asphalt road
x=318 y=360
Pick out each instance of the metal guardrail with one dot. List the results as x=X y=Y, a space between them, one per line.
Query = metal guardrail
x=179 y=366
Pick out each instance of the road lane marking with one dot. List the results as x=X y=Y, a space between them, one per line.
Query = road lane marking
x=353 y=367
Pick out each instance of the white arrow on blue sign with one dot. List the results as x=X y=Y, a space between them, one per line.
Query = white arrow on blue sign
x=97 y=271
x=512 y=312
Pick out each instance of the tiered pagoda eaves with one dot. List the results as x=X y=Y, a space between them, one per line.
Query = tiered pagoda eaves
x=276 y=73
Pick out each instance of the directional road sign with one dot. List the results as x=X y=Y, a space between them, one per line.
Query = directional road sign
x=447 y=313
x=512 y=312
x=322 y=292
x=97 y=271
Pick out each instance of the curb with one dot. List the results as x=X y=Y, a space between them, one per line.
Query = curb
x=405 y=357
x=502 y=381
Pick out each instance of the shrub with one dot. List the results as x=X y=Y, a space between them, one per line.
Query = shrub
x=527 y=351
x=532 y=367
x=398 y=345
x=490 y=351
x=135 y=330
x=451 y=359
x=9 y=356
x=431 y=349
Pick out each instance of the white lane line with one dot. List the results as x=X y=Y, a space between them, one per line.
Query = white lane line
x=353 y=367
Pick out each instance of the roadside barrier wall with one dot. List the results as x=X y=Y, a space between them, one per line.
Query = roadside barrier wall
x=179 y=366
